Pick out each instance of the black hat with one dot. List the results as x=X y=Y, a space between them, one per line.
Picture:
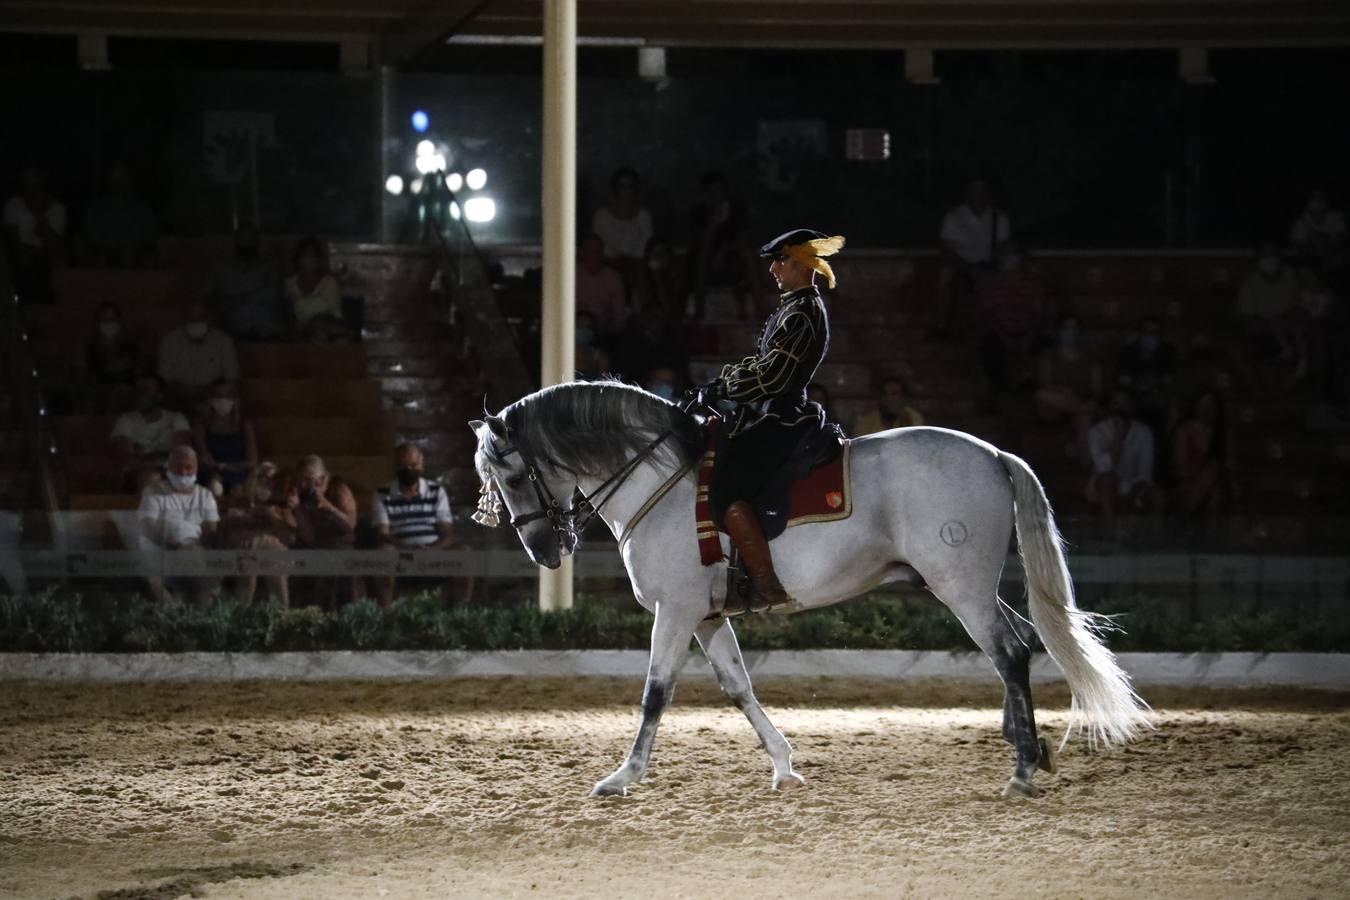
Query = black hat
x=808 y=247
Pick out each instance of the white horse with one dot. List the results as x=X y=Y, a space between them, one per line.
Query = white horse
x=931 y=506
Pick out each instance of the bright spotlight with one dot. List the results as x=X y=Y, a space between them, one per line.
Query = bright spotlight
x=394 y=184
x=454 y=210
x=425 y=148
x=438 y=163
x=424 y=165
x=415 y=186
x=480 y=209
x=476 y=179
x=454 y=181
x=420 y=121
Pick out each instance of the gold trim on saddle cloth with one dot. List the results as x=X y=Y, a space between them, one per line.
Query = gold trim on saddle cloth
x=846 y=507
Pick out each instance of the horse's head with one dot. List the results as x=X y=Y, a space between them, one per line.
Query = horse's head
x=528 y=488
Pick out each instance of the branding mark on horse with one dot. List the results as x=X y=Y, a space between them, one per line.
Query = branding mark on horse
x=954 y=533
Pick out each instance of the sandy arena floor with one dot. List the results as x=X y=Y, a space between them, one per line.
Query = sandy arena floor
x=479 y=789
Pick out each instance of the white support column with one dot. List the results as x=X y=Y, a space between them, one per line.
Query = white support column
x=560 y=212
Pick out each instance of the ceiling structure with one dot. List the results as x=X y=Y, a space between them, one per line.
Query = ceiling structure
x=395 y=31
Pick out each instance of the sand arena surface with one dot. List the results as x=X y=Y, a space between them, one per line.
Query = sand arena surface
x=478 y=788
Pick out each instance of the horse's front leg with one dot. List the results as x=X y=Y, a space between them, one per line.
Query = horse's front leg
x=670 y=647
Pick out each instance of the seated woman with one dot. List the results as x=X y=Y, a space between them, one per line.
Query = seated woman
x=1068 y=381
x=225 y=440
x=110 y=364
x=258 y=518
x=1200 y=454
x=313 y=297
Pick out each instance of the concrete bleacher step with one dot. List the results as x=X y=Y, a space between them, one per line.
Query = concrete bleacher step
x=328 y=361
x=357 y=397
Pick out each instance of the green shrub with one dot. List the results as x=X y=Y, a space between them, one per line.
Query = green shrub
x=63 y=621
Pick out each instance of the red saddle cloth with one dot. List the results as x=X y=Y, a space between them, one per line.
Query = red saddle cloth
x=822 y=496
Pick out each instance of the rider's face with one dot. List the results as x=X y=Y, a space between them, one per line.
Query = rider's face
x=789 y=274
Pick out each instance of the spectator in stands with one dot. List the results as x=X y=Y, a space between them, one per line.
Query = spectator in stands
x=663 y=382
x=661 y=285
x=1320 y=315
x=1122 y=460
x=600 y=291
x=325 y=512
x=410 y=513
x=246 y=292
x=193 y=357
x=1069 y=381
x=1267 y=310
x=624 y=225
x=35 y=235
x=120 y=226
x=591 y=361
x=111 y=362
x=142 y=437
x=719 y=257
x=1011 y=305
x=1318 y=235
x=314 y=297
x=650 y=340
x=227 y=445
x=890 y=410
x=176 y=514
x=1200 y=457
x=1147 y=365
x=258 y=518
x=970 y=238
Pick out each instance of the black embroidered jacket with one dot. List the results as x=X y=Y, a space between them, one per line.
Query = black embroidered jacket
x=771 y=385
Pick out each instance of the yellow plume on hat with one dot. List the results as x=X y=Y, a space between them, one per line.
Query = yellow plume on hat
x=811 y=252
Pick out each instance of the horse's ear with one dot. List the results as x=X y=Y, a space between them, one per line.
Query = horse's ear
x=498 y=426
x=476 y=425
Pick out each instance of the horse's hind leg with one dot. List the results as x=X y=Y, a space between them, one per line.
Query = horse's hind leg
x=670 y=646
x=991 y=626
x=718 y=641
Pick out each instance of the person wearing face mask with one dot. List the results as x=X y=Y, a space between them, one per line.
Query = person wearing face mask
x=1011 y=303
x=1266 y=310
x=110 y=363
x=1200 y=457
x=1069 y=379
x=1122 y=456
x=142 y=436
x=195 y=356
x=661 y=382
x=410 y=513
x=314 y=297
x=176 y=514
x=226 y=442
x=245 y=292
x=589 y=357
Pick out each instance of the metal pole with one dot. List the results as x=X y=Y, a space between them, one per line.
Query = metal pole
x=560 y=213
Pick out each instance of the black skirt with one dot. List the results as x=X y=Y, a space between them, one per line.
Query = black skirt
x=747 y=463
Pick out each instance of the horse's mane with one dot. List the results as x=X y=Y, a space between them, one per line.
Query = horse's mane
x=593 y=427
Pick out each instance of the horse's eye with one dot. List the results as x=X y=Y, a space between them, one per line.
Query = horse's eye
x=514 y=481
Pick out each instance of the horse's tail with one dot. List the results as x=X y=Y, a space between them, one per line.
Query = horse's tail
x=1104 y=703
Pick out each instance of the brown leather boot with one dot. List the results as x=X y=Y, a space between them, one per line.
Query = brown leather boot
x=766 y=591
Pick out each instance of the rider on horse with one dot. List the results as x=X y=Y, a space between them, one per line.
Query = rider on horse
x=762 y=400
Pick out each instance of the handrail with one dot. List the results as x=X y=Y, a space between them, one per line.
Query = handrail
x=31 y=406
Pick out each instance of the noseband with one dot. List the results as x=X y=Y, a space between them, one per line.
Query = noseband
x=567 y=523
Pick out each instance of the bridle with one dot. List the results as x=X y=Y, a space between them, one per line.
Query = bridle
x=568 y=523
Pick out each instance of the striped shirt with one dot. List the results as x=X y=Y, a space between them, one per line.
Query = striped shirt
x=411 y=519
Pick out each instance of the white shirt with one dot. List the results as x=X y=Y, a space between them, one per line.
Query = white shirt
x=623 y=237
x=1136 y=453
x=197 y=363
x=413 y=511
x=18 y=215
x=166 y=515
x=152 y=437
x=970 y=233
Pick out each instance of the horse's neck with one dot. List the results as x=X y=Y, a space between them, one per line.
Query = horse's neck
x=635 y=491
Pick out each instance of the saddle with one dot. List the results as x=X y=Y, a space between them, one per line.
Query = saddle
x=811 y=486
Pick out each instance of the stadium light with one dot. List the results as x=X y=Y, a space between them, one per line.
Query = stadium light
x=480 y=209
x=425 y=148
x=394 y=184
x=476 y=179
x=420 y=121
x=454 y=210
x=415 y=186
x=454 y=181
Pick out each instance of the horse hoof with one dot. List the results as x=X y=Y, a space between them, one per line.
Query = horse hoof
x=605 y=789
x=1047 y=760
x=1018 y=787
x=789 y=782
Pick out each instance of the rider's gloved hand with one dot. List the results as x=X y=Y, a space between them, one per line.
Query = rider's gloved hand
x=711 y=392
